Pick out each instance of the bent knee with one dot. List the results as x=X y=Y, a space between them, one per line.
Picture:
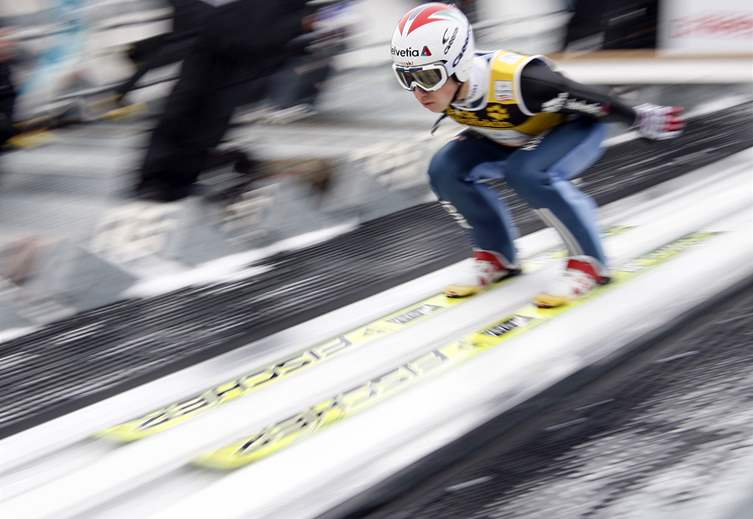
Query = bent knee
x=445 y=169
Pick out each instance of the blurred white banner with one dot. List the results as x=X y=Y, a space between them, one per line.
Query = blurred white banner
x=700 y=26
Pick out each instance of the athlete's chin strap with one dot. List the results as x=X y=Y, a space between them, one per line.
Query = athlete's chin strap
x=436 y=124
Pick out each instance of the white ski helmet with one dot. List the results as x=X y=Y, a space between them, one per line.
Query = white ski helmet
x=432 y=43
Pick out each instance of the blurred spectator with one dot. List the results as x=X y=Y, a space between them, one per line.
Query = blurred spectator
x=7 y=89
x=294 y=90
x=164 y=49
x=54 y=72
x=584 y=24
x=58 y=69
x=235 y=53
x=631 y=24
x=612 y=24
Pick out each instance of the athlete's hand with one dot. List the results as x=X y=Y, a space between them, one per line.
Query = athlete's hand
x=659 y=122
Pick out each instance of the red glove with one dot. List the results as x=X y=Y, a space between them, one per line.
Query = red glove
x=659 y=122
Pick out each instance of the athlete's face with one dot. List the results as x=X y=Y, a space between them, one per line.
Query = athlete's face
x=440 y=100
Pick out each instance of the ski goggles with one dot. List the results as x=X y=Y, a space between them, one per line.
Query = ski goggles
x=427 y=77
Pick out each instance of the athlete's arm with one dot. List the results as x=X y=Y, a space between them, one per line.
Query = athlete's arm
x=545 y=90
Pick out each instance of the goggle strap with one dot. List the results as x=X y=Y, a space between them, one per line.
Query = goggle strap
x=436 y=124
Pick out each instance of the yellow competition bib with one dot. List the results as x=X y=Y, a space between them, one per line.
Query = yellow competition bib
x=505 y=118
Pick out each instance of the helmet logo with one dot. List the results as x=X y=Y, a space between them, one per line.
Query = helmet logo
x=410 y=52
x=420 y=16
x=462 y=51
x=449 y=41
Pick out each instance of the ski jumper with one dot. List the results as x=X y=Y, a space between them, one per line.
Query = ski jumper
x=537 y=130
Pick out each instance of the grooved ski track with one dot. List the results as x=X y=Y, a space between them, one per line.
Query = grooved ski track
x=46 y=374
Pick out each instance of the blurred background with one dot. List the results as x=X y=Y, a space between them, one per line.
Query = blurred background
x=298 y=212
